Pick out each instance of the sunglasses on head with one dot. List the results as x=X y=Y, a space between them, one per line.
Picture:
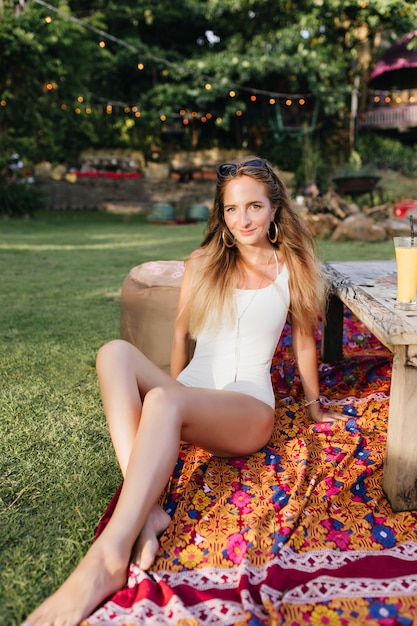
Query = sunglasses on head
x=230 y=169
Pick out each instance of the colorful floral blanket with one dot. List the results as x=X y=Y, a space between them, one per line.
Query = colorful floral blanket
x=299 y=534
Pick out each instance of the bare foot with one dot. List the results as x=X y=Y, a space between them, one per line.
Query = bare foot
x=147 y=545
x=97 y=576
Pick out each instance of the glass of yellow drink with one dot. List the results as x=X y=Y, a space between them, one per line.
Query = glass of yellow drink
x=406 y=257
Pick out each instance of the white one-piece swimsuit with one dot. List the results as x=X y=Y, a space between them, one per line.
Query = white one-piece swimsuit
x=237 y=356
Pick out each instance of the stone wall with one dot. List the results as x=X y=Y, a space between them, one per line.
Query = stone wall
x=124 y=194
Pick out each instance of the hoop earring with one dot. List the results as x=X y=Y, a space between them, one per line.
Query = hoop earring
x=227 y=244
x=273 y=239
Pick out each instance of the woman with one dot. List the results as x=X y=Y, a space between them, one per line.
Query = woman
x=254 y=269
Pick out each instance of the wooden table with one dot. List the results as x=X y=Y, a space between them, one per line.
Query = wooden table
x=368 y=289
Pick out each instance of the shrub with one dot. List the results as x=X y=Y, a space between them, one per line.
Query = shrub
x=388 y=153
x=19 y=199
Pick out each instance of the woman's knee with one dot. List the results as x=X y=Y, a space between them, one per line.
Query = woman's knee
x=164 y=402
x=112 y=352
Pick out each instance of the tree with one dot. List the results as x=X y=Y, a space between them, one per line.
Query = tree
x=41 y=68
x=322 y=48
x=76 y=73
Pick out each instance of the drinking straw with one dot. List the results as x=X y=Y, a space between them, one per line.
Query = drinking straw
x=412 y=229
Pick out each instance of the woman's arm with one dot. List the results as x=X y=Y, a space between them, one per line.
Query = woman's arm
x=305 y=351
x=181 y=340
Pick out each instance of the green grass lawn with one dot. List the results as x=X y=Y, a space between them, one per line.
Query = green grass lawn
x=60 y=280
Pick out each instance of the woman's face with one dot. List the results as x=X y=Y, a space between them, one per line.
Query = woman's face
x=247 y=210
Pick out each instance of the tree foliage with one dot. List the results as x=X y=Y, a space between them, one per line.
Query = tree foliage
x=77 y=73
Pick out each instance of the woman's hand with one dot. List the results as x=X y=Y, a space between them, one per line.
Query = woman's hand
x=319 y=416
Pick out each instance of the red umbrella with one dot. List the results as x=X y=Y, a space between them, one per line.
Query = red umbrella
x=397 y=67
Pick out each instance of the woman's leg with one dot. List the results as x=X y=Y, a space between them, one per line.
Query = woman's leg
x=225 y=423
x=125 y=376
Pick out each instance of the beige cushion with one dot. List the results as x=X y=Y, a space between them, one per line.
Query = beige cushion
x=148 y=307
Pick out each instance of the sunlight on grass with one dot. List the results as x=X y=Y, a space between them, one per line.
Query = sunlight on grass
x=355 y=250
x=95 y=246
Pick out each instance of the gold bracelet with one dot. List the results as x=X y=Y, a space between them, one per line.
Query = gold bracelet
x=306 y=404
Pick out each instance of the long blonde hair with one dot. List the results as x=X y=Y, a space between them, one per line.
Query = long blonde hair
x=220 y=265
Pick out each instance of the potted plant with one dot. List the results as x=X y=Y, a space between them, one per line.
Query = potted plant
x=356 y=178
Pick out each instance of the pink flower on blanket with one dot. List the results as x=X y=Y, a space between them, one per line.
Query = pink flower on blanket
x=333 y=455
x=236 y=548
x=334 y=486
x=340 y=537
x=240 y=462
x=241 y=499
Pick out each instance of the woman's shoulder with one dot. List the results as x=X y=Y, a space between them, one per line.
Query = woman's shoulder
x=197 y=253
x=194 y=262
x=195 y=259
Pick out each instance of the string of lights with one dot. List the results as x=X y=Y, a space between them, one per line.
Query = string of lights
x=163 y=61
x=282 y=102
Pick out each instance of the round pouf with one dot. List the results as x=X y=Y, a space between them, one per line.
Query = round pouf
x=197 y=212
x=161 y=212
x=148 y=307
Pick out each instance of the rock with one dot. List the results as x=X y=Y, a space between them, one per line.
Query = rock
x=71 y=177
x=331 y=202
x=359 y=227
x=43 y=171
x=379 y=212
x=353 y=208
x=158 y=171
x=321 y=225
x=58 y=172
x=396 y=227
x=125 y=207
